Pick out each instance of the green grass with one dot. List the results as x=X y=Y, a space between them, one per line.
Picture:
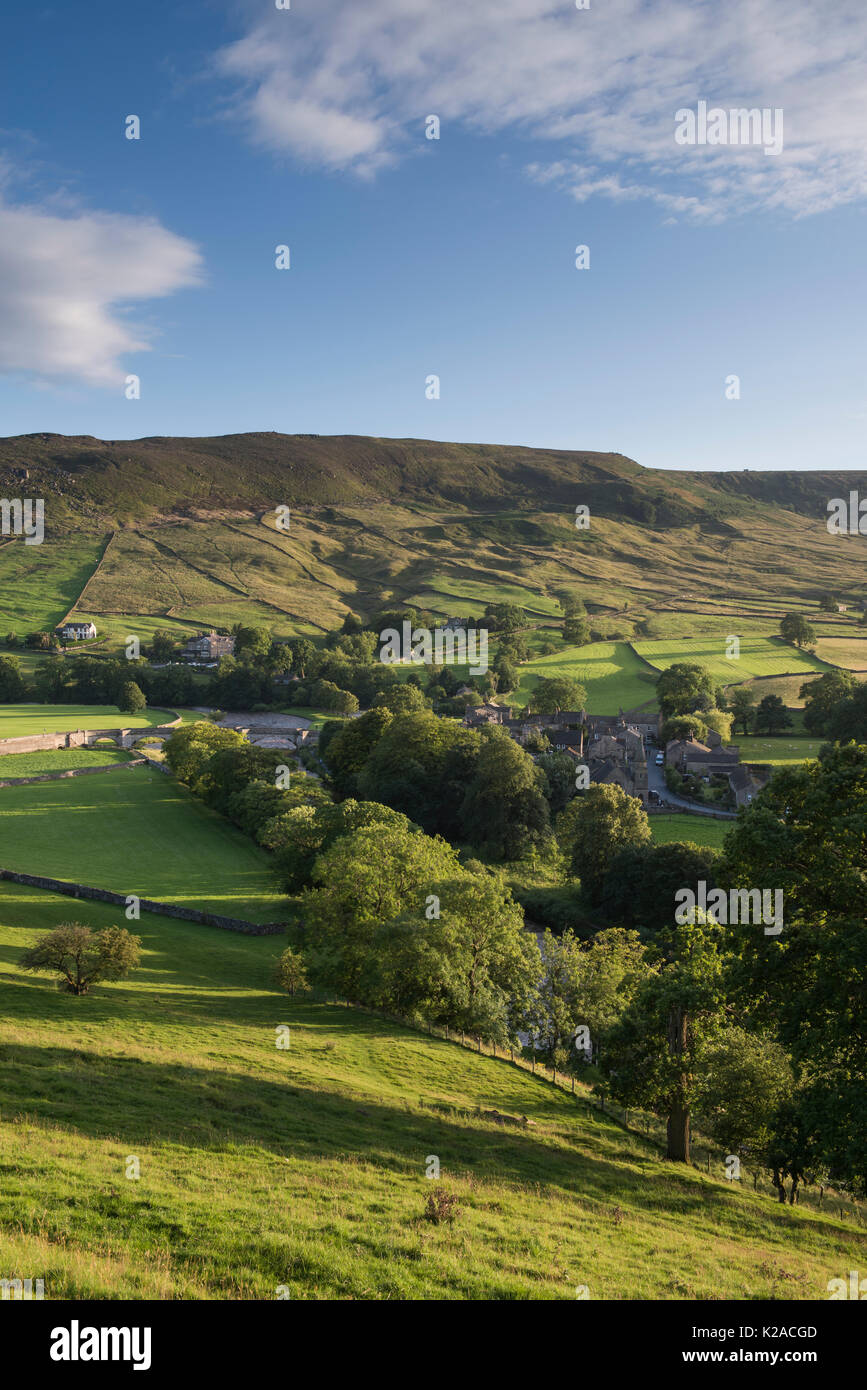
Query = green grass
x=39 y=584
x=58 y=760
x=613 y=675
x=481 y=592
x=306 y=1167
x=699 y=830
x=780 y=751
x=848 y=651
x=759 y=656
x=137 y=831
x=20 y=721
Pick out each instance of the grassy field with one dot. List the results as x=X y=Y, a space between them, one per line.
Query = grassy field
x=306 y=1167
x=699 y=830
x=759 y=656
x=137 y=831
x=779 y=751
x=849 y=651
x=613 y=675
x=59 y=760
x=19 y=721
x=40 y=583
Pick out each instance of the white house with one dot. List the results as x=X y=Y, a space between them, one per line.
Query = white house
x=77 y=632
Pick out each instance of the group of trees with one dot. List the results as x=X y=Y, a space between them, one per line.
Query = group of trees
x=836 y=706
x=477 y=786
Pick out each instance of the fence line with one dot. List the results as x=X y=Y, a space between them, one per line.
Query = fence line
x=643 y=1124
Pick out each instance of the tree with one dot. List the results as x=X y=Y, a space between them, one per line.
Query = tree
x=81 y=956
x=131 y=698
x=828 y=603
x=12 y=687
x=683 y=726
x=402 y=699
x=507 y=674
x=822 y=695
x=848 y=719
x=603 y=821
x=252 y=644
x=349 y=745
x=190 y=748
x=162 y=646
x=652 y=1055
x=300 y=834
x=576 y=630
x=684 y=688
x=741 y=706
x=559 y=773
x=504 y=617
x=473 y=966
x=744 y=1079
x=504 y=813
x=640 y=885
x=303 y=652
x=363 y=881
x=772 y=716
x=587 y=983
x=554 y=693
x=291 y=973
x=806 y=834
x=795 y=628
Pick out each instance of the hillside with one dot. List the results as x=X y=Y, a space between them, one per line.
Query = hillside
x=181 y=533
x=305 y=1167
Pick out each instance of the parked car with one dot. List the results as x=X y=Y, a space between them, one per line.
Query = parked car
x=660 y=759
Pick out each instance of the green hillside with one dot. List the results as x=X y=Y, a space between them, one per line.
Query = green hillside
x=181 y=533
x=137 y=831
x=305 y=1168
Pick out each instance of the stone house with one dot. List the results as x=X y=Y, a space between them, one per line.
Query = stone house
x=207 y=647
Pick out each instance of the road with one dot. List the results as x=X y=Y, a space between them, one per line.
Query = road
x=656 y=782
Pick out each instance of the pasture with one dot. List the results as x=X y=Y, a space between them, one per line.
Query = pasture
x=783 y=750
x=305 y=1167
x=613 y=675
x=59 y=760
x=21 y=721
x=698 y=830
x=137 y=831
x=759 y=656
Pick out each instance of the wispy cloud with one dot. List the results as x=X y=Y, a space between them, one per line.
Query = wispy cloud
x=346 y=86
x=66 y=281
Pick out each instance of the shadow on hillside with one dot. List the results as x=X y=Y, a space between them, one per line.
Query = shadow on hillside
x=137 y=1102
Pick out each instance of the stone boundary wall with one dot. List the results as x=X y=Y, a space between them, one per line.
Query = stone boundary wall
x=82 y=738
x=72 y=772
x=186 y=914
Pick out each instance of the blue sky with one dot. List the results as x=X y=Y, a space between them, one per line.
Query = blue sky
x=455 y=256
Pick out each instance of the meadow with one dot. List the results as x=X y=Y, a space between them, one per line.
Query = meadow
x=849 y=651
x=305 y=1167
x=59 y=760
x=39 y=584
x=759 y=656
x=698 y=830
x=20 y=721
x=613 y=675
x=137 y=831
x=783 y=750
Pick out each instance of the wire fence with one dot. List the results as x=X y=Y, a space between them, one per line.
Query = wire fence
x=644 y=1124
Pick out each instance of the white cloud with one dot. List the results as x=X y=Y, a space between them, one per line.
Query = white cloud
x=346 y=85
x=65 y=282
